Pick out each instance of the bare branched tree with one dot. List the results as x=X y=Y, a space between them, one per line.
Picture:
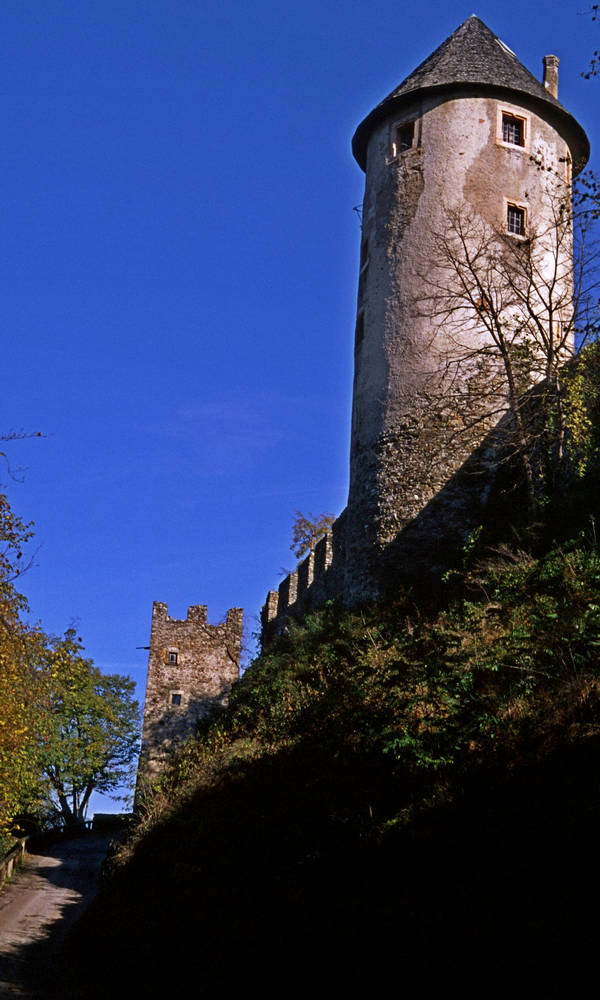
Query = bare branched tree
x=15 y=436
x=507 y=311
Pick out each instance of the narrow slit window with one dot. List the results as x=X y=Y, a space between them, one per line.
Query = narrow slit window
x=513 y=130
x=568 y=169
x=404 y=136
x=515 y=220
x=360 y=330
x=364 y=254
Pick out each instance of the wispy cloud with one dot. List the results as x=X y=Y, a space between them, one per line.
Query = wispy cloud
x=219 y=437
x=229 y=424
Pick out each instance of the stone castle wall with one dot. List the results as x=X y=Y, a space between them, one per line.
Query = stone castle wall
x=318 y=578
x=191 y=668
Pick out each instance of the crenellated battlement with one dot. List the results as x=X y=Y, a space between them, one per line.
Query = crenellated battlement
x=196 y=616
x=317 y=579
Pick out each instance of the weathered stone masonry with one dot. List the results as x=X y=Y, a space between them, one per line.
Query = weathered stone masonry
x=319 y=578
x=191 y=668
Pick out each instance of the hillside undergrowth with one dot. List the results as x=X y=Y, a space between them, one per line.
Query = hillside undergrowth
x=363 y=748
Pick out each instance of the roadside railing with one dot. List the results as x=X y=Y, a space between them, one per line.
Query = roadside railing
x=11 y=860
x=14 y=857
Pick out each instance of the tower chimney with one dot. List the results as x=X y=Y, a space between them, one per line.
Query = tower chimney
x=551 y=74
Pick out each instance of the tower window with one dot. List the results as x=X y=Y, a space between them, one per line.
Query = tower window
x=364 y=253
x=359 y=332
x=404 y=137
x=173 y=656
x=513 y=130
x=176 y=699
x=515 y=220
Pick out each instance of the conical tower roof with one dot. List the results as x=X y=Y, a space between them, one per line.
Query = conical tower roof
x=474 y=58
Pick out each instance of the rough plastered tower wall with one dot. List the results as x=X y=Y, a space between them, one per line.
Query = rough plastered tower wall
x=191 y=668
x=435 y=147
x=420 y=466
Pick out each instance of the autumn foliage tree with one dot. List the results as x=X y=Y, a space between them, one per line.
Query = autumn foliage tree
x=307 y=530
x=65 y=728
x=21 y=702
x=92 y=728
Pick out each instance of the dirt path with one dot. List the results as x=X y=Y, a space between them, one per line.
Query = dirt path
x=38 y=907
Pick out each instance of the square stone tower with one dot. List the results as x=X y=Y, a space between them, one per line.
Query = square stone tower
x=191 y=668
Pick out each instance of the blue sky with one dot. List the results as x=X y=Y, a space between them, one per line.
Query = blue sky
x=179 y=262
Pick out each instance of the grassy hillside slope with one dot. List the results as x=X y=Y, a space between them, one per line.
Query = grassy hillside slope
x=386 y=786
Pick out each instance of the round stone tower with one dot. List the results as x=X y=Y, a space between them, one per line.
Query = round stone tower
x=469 y=135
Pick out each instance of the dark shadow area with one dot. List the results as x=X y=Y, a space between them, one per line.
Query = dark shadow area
x=486 y=489
x=274 y=881
x=486 y=499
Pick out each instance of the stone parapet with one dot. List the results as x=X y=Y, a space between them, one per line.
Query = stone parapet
x=317 y=579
